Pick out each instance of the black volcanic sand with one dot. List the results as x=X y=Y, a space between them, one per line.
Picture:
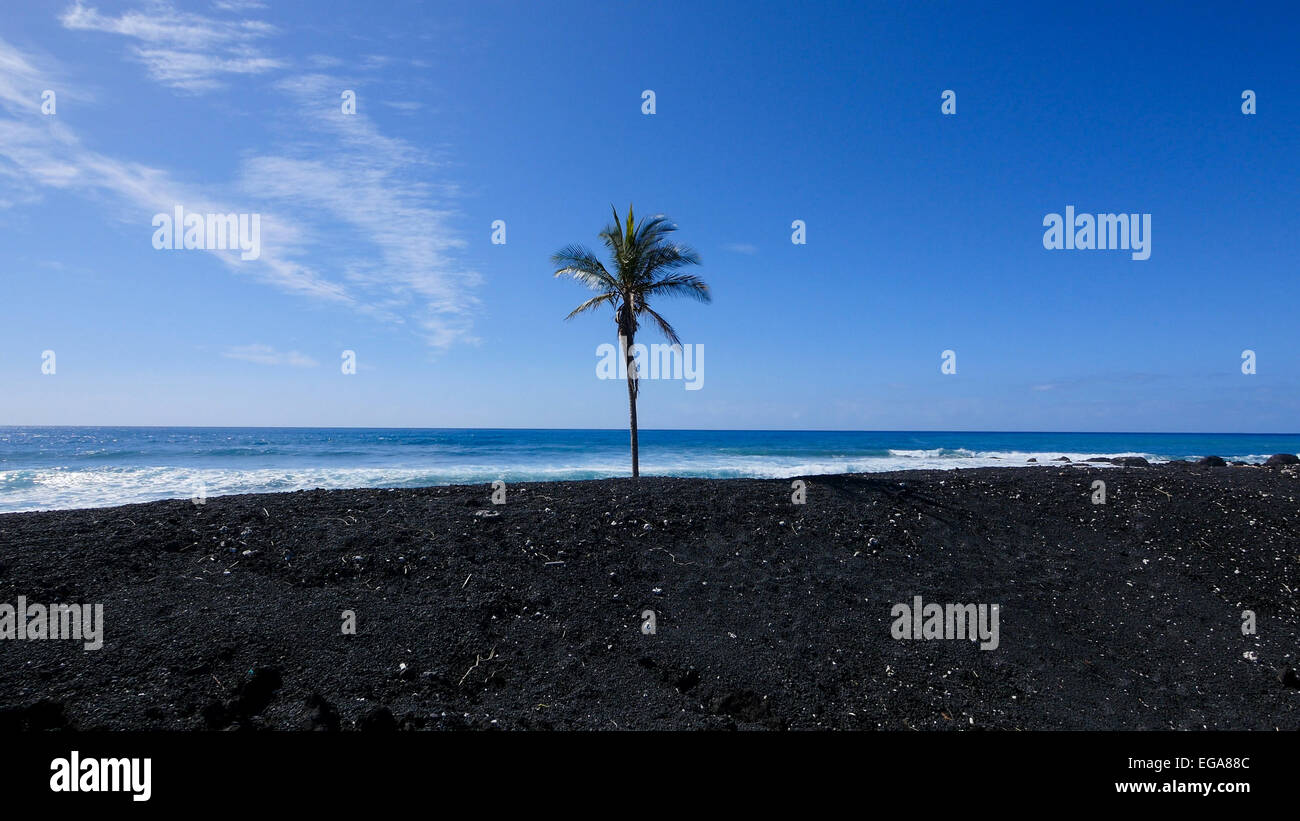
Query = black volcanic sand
x=1125 y=615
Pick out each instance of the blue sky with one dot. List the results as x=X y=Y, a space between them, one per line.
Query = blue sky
x=924 y=231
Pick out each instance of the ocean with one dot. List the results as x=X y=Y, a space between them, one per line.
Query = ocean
x=43 y=468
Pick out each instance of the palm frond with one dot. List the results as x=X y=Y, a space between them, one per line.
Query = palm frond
x=581 y=264
x=653 y=230
x=615 y=239
x=593 y=303
x=664 y=327
x=687 y=285
x=665 y=258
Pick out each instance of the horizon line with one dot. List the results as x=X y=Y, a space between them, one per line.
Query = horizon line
x=671 y=430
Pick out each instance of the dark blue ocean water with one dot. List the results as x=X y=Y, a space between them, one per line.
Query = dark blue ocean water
x=47 y=467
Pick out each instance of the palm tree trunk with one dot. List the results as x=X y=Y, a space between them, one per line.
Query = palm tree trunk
x=631 y=404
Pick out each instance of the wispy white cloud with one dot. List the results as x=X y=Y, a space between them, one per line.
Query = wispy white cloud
x=183 y=50
x=195 y=71
x=399 y=246
x=266 y=355
x=238 y=5
x=38 y=152
x=18 y=79
x=372 y=62
x=404 y=106
x=349 y=215
x=323 y=61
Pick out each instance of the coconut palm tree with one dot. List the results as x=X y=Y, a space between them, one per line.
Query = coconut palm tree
x=645 y=265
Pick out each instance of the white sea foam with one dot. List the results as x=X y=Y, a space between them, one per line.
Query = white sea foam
x=57 y=488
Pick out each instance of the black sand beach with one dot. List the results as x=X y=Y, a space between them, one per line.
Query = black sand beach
x=527 y=615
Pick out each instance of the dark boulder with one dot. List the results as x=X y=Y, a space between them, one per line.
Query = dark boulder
x=257 y=692
x=1212 y=462
x=321 y=715
x=1131 y=462
x=1279 y=459
x=378 y=720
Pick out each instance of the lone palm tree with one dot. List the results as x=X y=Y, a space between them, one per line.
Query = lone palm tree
x=646 y=266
